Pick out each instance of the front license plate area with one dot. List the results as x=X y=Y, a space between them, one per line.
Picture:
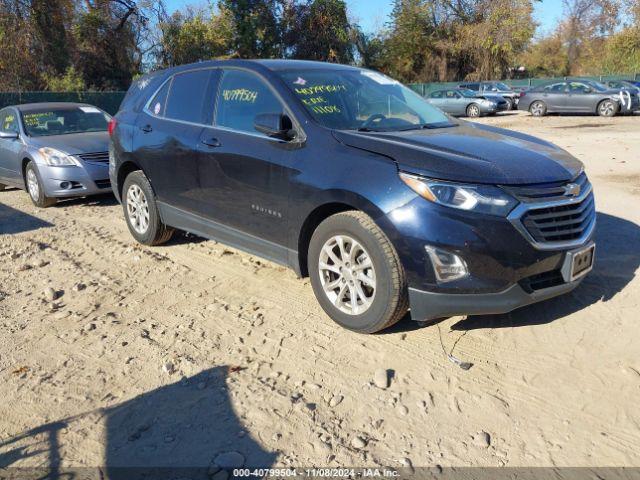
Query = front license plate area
x=578 y=263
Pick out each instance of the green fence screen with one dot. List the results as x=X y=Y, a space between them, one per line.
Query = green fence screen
x=426 y=88
x=107 y=101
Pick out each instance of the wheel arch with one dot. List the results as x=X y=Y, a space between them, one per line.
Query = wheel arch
x=125 y=169
x=338 y=202
x=23 y=169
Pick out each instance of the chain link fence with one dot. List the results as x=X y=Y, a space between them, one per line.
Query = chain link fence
x=107 y=101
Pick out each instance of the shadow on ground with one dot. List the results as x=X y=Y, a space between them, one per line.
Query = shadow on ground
x=14 y=221
x=617 y=259
x=175 y=431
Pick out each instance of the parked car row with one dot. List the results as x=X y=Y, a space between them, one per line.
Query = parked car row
x=340 y=173
x=579 y=96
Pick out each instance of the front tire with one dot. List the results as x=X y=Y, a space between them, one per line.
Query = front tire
x=510 y=103
x=538 y=109
x=473 y=110
x=606 y=108
x=2 y=186
x=356 y=273
x=35 y=188
x=141 y=211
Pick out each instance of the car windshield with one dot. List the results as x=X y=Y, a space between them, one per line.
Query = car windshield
x=503 y=86
x=468 y=93
x=63 y=121
x=362 y=100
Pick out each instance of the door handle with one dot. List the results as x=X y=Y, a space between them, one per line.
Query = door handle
x=212 y=142
x=147 y=129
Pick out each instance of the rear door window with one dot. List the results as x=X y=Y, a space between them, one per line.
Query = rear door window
x=159 y=103
x=437 y=94
x=188 y=97
x=241 y=96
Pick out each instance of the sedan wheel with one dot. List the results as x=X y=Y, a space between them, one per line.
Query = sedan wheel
x=538 y=109
x=606 y=109
x=32 y=184
x=473 y=110
x=347 y=275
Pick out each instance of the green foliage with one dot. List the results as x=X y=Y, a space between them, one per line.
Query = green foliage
x=70 y=81
x=193 y=36
x=321 y=31
x=622 y=52
x=256 y=32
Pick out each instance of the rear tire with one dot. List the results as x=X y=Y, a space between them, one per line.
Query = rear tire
x=538 y=109
x=473 y=110
x=510 y=103
x=2 y=186
x=141 y=211
x=350 y=256
x=606 y=108
x=33 y=182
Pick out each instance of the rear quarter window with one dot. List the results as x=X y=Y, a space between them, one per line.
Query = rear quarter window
x=188 y=94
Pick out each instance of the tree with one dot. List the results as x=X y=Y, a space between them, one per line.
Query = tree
x=320 y=30
x=256 y=30
x=193 y=36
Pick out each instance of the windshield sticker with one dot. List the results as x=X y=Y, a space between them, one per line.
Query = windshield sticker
x=90 y=110
x=300 y=81
x=240 y=95
x=378 y=78
x=156 y=108
x=315 y=89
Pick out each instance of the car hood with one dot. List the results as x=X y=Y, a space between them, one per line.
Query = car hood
x=470 y=152
x=74 y=143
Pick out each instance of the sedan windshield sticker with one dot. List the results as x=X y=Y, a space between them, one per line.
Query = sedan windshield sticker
x=240 y=95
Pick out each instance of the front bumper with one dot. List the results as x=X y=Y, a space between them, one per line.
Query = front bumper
x=64 y=182
x=431 y=305
x=506 y=269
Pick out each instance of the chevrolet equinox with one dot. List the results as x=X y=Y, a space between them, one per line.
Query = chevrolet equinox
x=345 y=175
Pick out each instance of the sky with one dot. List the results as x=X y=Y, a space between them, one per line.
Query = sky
x=373 y=14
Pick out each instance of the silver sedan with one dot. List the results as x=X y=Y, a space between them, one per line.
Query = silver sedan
x=54 y=150
x=460 y=102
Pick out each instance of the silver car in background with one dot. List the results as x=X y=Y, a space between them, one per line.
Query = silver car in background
x=460 y=102
x=54 y=150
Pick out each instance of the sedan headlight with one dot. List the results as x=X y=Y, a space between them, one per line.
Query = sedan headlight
x=478 y=198
x=56 y=158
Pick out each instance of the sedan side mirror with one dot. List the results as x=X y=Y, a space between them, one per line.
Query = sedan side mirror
x=8 y=135
x=276 y=125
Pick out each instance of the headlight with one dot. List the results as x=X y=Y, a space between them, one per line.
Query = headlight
x=478 y=198
x=56 y=158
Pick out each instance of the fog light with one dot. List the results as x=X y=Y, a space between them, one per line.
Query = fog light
x=447 y=266
x=65 y=185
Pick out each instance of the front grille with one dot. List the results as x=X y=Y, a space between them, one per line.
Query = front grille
x=542 y=281
x=103 y=183
x=555 y=215
x=96 y=157
x=561 y=223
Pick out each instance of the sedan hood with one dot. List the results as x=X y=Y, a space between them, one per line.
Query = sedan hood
x=470 y=152
x=74 y=143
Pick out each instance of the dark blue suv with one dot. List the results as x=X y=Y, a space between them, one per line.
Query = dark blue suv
x=347 y=176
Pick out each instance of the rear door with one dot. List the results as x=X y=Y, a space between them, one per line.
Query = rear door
x=437 y=98
x=554 y=96
x=10 y=148
x=168 y=132
x=456 y=104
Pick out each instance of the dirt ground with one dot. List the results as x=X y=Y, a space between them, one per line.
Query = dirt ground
x=194 y=353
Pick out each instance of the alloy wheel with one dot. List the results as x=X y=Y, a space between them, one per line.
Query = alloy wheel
x=537 y=109
x=137 y=209
x=347 y=274
x=606 y=109
x=474 y=111
x=32 y=184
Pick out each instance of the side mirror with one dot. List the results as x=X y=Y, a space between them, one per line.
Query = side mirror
x=8 y=135
x=276 y=125
x=588 y=90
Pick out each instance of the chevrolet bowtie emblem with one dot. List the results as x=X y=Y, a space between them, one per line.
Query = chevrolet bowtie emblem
x=572 y=190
